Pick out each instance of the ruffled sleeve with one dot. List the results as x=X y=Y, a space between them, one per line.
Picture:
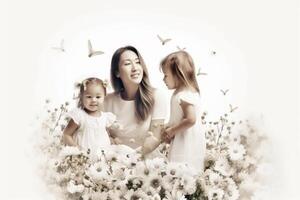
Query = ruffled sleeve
x=188 y=97
x=77 y=115
x=160 y=106
x=110 y=119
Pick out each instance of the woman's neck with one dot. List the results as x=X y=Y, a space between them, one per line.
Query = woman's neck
x=129 y=93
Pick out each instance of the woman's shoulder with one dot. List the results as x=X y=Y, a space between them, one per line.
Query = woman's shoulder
x=111 y=97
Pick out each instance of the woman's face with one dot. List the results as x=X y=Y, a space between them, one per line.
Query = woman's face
x=130 y=69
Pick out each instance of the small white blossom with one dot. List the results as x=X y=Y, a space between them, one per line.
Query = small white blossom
x=236 y=152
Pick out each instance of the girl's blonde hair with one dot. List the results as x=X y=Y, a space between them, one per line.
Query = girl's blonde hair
x=144 y=99
x=85 y=83
x=182 y=68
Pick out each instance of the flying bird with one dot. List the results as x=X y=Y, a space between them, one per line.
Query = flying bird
x=200 y=73
x=232 y=108
x=61 y=48
x=180 y=49
x=92 y=52
x=163 y=41
x=224 y=92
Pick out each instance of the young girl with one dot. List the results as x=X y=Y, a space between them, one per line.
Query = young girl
x=87 y=127
x=183 y=130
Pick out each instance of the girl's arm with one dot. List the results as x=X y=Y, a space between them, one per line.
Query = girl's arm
x=154 y=139
x=189 y=119
x=69 y=132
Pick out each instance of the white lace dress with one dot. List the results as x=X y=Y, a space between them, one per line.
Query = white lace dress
x=92 y=133
x=188 y=146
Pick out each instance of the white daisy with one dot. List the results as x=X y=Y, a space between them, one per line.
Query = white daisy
x=156 y=163
x=69 y=150
x=189 y=184
x=222 y=166
x=168 y=182
x=232 y=193
x=73 y=188
x=235 y=138
x=215 y=194
x=236 y=151
x=153 y=181
x=214 y=179
x=135 y=195
x=98 y=171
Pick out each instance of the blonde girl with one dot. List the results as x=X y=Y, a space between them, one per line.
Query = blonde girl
x=183 y=131
x=87 y=126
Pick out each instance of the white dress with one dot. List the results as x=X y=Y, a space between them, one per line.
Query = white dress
x=188 y=146
x=92 y=133
x=133 y=133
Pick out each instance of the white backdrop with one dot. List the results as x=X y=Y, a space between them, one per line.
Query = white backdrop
x=256 y=45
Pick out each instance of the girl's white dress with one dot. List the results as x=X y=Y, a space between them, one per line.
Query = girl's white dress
x=188 y=146
x=92 y=133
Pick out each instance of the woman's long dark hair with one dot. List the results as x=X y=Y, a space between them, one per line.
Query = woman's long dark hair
x=144 y=98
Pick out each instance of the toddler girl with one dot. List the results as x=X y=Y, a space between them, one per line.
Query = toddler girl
x=183 y=131
x=88 y=124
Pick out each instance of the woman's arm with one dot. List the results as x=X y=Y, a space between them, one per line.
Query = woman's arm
x=69 y=132
x=189 y=119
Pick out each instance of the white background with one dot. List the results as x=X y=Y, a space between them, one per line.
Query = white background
x=257 y=58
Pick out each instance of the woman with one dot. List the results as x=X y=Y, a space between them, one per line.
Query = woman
x=137 y=105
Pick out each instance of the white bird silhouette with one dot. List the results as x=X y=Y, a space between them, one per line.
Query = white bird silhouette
x=232 y=108
x=224 y=92
x=200 y=73
x=93 y=52
x=61 y=48
x=163 y=41
x=180 y=49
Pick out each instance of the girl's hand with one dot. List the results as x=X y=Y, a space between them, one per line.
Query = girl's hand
x=168 y=135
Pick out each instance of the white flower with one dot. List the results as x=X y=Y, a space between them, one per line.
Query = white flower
x=232 y=192
x=214 y=178
x=141 y=170
x=121 y=186
x=136 y=195
x=215 y=194
x=99 y=195
x=154 y=181
x=222 y=166
x=168 y=182
x=69 y=150
x=72 y=188
x=156 y=163
x=151 y=192
x=235 y=138
x=189 y=184
x=99 y=171
x=155 y=197
x=114 y=194
x=182 y=198
x=236 y=151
